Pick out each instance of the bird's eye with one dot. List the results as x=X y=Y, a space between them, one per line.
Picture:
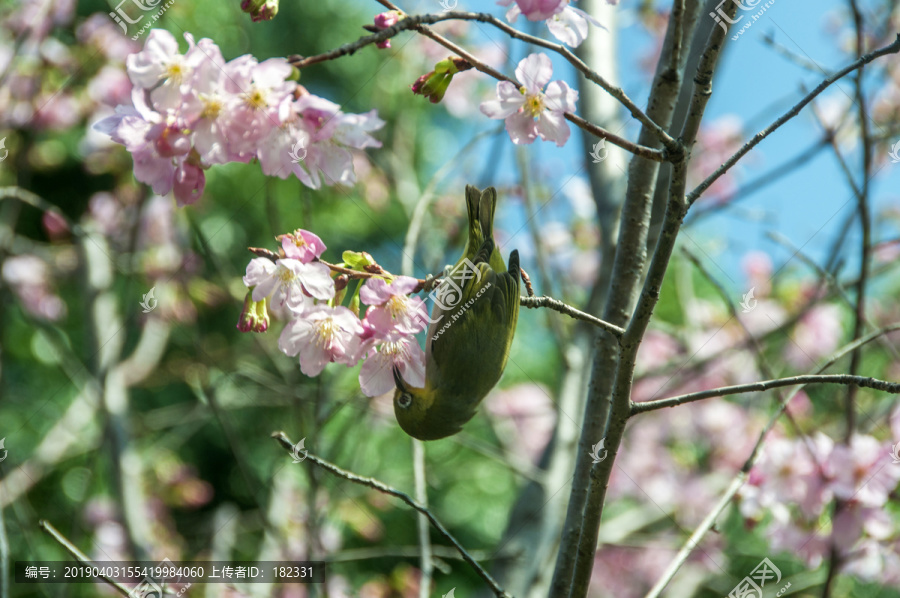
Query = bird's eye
x=404 y=400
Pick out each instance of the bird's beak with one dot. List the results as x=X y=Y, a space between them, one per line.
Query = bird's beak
x=398 y=379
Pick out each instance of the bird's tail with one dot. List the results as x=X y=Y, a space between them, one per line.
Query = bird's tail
x=480 y=206
x=514 y=269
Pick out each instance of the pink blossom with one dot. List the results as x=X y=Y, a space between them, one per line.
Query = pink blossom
x=194 y=110
x=132 y=129
x=160 y=61
x=29 y=278
x=302 y=245
x=189 y=183
x=289 y=282
x=816 y=335
x=571 y=25
x=322 y=335
x=567 y=23
x=534 y=10
x=390 y=306
x=529 y=111
x=862 y=472
x=376 y=376
x=383 y=21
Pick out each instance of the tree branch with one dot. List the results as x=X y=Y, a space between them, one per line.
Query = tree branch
x=845 y=379
x=863 y=60
x=285 y=442
x=80 y=556
x=419 y=22
x=557 y=305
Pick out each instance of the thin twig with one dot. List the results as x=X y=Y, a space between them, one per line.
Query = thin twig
x=844 y=379
x=285 y=442
x=418 y=22
x=80 y=556
x=794 y=111
x=556 y=305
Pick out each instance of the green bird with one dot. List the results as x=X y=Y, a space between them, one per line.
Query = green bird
x=472 y=326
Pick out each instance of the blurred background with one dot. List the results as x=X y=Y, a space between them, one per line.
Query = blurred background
x=146 y=435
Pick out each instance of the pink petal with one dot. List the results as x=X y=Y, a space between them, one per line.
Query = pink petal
x=510 y=100
x=552 y=126
x=376 y=375
x=521 y=129
x=560 y=97
x=534 y=72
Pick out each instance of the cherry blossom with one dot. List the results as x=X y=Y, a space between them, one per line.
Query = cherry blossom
x=302 y=245
x=289 y=282
x=391 y=307
x=529 y=111
x=323 y=335
x=376 y=376
x=385 y=20
x=565 y=22
x=190 y=111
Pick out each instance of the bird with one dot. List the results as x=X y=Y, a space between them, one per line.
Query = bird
x=473 y=322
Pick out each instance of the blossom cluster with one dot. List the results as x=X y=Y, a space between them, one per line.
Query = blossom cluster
x=320 y=330
x=192 y=110
x=809 y=474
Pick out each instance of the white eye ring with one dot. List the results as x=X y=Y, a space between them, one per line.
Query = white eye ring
x=404 y=400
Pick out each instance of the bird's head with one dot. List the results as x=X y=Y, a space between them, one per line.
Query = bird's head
x=421 y=412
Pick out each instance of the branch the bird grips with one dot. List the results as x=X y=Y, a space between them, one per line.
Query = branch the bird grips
x=472 y=325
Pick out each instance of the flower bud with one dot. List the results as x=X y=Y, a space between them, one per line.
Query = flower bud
x=254 y=317
x=434 y=85
x=260 y=10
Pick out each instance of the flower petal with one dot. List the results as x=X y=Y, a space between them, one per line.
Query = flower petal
x=560 y=97
x=534 y=72
x=510 y=100
x=552 y=126
x=521 y=129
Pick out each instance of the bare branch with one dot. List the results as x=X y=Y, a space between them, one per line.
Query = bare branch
x=285 y=442
x=844 y=379
x=80 y=556
x=794 y=111
x=417 y=22
x=556 y=305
